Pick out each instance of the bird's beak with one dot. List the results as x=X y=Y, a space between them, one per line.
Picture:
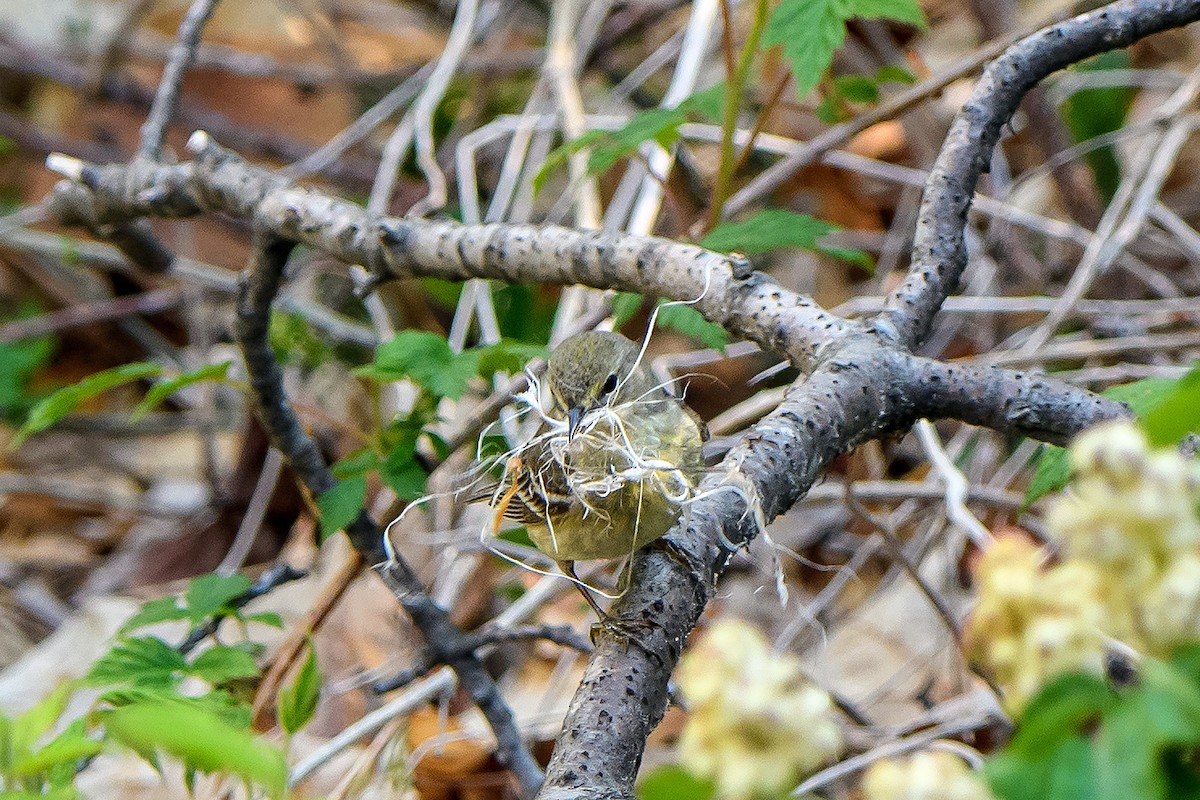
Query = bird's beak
x=574 y=415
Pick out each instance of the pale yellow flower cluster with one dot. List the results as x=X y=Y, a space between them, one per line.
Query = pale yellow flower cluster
x=1129 y=534
x=932 y=775
x=756 y=726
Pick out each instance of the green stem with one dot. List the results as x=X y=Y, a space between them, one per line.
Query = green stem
x=735 y=89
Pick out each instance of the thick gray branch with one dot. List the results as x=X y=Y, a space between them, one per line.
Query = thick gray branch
x=749 y=304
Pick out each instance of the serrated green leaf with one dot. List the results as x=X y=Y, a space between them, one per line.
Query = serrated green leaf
x=208 y=594
x=60 y=403
x=200 y=740
x=223 y=663
x=671 y=782
x=298 y=700
x=770 y=229
x=428 y=360
x=142 y=661
x=558 y=156
x=691 y=322
x=218 y=702
x=341 y=504
x=164 y=389
x=164 y=609
x=810 y=31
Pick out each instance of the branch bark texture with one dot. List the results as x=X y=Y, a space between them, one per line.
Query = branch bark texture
x=862 y=380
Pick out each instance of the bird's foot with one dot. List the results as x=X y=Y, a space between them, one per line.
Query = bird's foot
x=627 y=632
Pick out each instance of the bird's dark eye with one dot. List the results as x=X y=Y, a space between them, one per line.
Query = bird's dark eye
x=610 y=383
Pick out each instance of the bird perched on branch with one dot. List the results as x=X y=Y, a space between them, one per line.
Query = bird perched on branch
x=615 y=462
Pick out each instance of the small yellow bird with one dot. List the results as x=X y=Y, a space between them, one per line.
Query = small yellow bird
x=614 y=465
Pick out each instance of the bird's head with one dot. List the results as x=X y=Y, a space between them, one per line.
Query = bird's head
x=597 y=368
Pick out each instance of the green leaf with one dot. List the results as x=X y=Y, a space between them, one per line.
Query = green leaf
x=1143 y=396
x=199 y=739
x=1090 y=113
x=507 y=356
x=218 y=702
x=145 y=661
x=1059 y=711
x=893 y=74
x=1127 y=763
x=21 y=360
x=655 y=124
x=660 y=125
x=37 y=721
x=1052 y=473
x=1072 y=771
x=771 y=229
x=428 y=360
x=518 y=535
x=708 y=103
x=900 y=10
x=66 y=749
x=1068 y=772
x=691 y=322
x=164 y=609
x=1167 y=408
x=401 y=472
x=208 y=594
x=222 y=663
x=164 y=389
x=56 y=793
x=265 y=618
x=624 y=306
x=811 y=30
x=857 y=88
x=1175 y=414
x=341 y=504
x=62 y=402
x=673 y=315
x=360 y=462
x=671 y=782
x=851 y=256
x=298 y=700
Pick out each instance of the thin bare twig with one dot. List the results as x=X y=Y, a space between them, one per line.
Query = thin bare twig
x=166 y=99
